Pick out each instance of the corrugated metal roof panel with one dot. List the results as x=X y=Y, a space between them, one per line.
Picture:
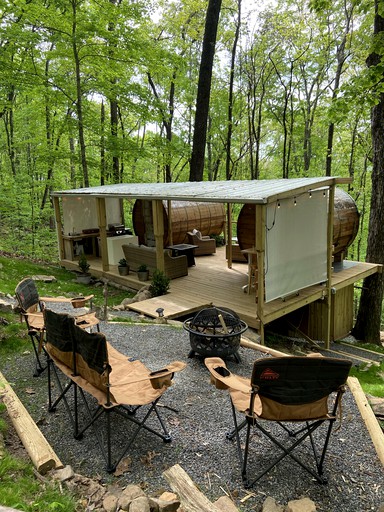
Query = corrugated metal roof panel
x=249 y=191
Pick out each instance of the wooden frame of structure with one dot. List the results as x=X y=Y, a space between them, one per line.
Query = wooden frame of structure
x=261 y=193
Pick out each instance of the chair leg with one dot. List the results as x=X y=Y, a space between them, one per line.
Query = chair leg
x=35 y=339
x=287 y=451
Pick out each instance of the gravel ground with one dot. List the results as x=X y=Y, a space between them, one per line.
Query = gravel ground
x=199 y=416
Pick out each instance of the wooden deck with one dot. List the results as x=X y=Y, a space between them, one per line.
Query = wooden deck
x=210 y=281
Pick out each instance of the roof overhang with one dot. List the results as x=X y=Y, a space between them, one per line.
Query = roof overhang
x=245 y=191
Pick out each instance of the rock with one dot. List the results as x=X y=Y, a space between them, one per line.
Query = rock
x=160 y=505
x=64 y=474
x=129 y=494
x=301 y=505
x=225 y=504
x=377 y=404
x=133 y=491
x=143 y=294
x=110 y=502
x=5 y=306
x=270 y=505
x=168 y=496
x=140 y=504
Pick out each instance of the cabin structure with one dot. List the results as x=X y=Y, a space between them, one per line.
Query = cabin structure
x=285 y=268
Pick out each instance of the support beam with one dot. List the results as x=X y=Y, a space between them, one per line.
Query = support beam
x=59 y=227
x=102 y=219
x=38 y=448
x=331 y=207
x=158 y=227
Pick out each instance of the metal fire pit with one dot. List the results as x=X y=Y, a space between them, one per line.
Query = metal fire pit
x=215 y=331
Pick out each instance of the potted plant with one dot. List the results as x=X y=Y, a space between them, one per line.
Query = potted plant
x=143 y=272
x=123 y=267
x=84 y=276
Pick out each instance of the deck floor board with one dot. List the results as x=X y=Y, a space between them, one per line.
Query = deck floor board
x=210 y=281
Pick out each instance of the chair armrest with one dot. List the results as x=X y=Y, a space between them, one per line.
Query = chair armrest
x=222 y=378
x=159 y=378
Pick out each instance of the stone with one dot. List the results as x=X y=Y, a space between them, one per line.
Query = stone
x=160 y=505
x=128 y=495
x=110 y=502
x=140 y=504
x=377 y=405
x=168 y=496
x=64 y=474
x=301 y=505
x=225 y=504
x=5 y=306
x=133 y=491
x=270 y=505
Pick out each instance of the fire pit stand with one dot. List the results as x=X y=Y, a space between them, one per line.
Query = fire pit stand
x=215 y=331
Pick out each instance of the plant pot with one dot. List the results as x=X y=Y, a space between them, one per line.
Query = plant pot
x=143 y=275
x=84 y=278
x=123 y=271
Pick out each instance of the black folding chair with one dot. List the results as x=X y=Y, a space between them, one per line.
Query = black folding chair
x=31 y=307
x=305 y=391
x=104 y=381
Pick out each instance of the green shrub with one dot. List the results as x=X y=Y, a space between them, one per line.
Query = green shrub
x=159 y=284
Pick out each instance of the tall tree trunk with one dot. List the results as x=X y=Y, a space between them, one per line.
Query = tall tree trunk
x=368 y=321
x=102 y=144
x=9 y=130
x=228 y=166
x=204 y=90
x=114 y=125
x=167 y=120
x=341 y=56
x=79 y=97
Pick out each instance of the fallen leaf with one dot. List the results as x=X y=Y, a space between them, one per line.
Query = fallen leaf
x=123 y=466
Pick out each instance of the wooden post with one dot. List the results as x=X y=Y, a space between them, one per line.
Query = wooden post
x=331 y=201
x=59 y=227
x=38 y=448
x=170 y=229
x=158 y=227
x=102 y=219
x=229 y=237
x=260 y=211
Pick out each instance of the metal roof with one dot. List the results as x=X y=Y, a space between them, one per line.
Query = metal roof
x=247 y=191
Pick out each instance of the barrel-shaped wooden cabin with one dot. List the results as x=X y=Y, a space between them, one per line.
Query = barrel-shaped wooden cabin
x=345 y=224
x=179 y=217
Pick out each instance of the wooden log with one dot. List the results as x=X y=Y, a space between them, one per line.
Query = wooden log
x=368 y=416
x=38 y=448
x=191 y=498
x=244 y=342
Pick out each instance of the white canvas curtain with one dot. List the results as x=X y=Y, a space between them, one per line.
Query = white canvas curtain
x=296 y=244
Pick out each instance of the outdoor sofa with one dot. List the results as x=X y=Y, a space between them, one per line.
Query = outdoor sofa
x=136 y=255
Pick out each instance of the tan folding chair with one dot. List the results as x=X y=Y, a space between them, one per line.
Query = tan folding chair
x=31 y=309
x=106 y=381
x=284 y=390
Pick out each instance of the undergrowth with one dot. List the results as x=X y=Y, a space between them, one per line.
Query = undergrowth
x=13 y=270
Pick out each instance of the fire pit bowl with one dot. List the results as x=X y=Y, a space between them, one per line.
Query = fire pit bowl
x=215 y=331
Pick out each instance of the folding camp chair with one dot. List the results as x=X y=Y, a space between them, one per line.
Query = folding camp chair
x=31 y=308
x=120 y=384
x=285 y=389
